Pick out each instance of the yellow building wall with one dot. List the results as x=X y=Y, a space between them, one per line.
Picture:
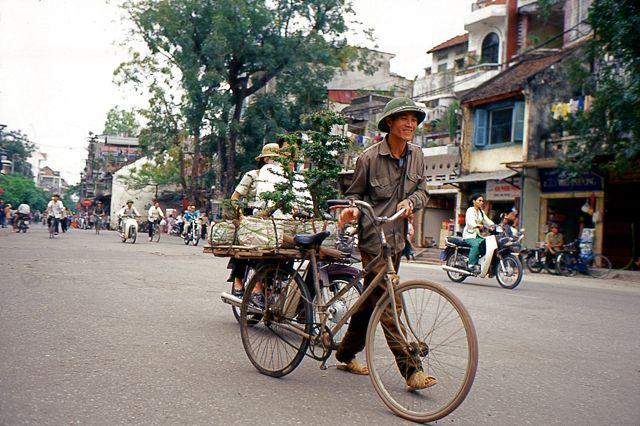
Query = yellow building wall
x=488 y=160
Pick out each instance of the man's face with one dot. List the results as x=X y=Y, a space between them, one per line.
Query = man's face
x=156 y=204
x=554 y=230
x=129 y=205
x=55 y=198
x=192 y=209
x=403 y=125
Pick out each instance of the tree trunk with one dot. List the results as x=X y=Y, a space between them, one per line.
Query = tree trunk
x=231 y=144
x=195 y=161
x=183 y=179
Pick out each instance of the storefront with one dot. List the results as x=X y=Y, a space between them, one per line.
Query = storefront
x=573 y=204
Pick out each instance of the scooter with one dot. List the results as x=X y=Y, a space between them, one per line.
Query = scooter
x=498 y=260
x=129 y=230
x=22 y=225
x=193 y=234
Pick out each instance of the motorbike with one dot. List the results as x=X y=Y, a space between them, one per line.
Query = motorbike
x=193 y=234
x=129 y=230
x=22 y=225
x=499 y=259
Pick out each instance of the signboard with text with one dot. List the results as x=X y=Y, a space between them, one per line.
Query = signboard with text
x=553 y=180
x=501 y=191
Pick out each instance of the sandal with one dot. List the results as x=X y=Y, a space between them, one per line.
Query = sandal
x=355 y=367
x=420 y=380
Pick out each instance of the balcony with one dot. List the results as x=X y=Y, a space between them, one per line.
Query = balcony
x=485 y=13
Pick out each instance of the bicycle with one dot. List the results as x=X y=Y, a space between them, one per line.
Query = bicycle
x=52 y=223
x=569 y=262
x=155 y=232
x=97 y=224
x=433 y=327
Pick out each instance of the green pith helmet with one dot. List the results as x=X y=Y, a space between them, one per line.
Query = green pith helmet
x=397 y=105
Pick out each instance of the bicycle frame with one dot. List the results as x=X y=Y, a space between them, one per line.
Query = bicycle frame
x=386 y=276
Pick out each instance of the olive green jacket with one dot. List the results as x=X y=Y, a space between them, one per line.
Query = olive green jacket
x=378 y=180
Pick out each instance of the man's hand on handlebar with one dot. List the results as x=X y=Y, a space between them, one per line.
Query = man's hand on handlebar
x=350 y=214
x=407 y=206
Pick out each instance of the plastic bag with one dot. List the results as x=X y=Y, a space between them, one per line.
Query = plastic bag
x=222 y=234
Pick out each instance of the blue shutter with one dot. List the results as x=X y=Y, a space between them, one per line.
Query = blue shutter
x=480 y=127
x=518 y=122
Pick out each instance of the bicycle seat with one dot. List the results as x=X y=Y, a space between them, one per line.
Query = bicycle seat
x=310 y=240
x=457 y=241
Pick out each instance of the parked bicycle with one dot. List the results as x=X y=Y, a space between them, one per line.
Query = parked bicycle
x=571 y=261
x=433 y=327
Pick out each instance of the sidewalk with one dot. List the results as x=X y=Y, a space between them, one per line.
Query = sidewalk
x=633 y=276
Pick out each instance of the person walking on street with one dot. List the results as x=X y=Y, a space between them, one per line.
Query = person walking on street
x=475 y=221
x=154 y=215
x=3 y=218
x=64 y=219
x=389 y=175
x=408 y=250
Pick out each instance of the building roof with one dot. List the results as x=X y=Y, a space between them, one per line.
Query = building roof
x=514 y=78
x=455 y=41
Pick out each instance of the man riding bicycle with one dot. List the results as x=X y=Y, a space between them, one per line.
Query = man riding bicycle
x=154 y=215
x=190 y=216
x=390 y=176
x=54 y=212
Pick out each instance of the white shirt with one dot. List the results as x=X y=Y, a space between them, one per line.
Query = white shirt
x=272 y=174
x=247 y=188
x=155 y=213
x=473 y=219
x=55 y=208
x=24 y=209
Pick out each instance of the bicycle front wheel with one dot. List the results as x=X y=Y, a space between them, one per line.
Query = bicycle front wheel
x=599 y=266
x=441 y=341
x=273 y=335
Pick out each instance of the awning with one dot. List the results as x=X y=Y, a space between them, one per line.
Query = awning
x=545 y=163
x=483 y=176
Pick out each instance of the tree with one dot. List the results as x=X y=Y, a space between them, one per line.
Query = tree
x=321 y=151
x=18 y=149
x=610 y=132
x=20 y=189
x=121 y=123
x=208 y=60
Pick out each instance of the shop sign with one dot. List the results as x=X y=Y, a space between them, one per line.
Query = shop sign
x=499 y=191
x=553 y=180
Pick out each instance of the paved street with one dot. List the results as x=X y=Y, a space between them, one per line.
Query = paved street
x=94 y=331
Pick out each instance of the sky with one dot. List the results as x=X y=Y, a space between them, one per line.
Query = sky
x=57 y=59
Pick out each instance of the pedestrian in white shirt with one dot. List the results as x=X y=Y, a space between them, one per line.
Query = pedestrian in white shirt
x=54 y=211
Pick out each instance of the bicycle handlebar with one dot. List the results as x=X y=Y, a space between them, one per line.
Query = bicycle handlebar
x=336 y=204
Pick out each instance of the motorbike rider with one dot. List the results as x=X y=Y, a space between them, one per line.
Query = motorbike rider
x=475 y=220
x=390 y=175
x=154 y=214
x=54 y=211
x=190 y=216
x=98 y=214
x=552 y=243
x=128 y=211
x=23 y=213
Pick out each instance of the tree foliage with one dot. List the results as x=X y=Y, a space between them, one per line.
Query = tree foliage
x=228 y=73
x=610 y=131
x=321 y=151
x=20 y=189
x=18 y=148
x=121 y=123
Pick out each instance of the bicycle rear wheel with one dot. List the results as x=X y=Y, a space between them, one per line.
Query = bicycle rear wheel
x=442 y=340
x=156 y=233
x=567 y=264
x=599 y=266
x=275 y=343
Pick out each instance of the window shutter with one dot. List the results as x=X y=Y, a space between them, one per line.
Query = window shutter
x=518 y=122
x=480 y=127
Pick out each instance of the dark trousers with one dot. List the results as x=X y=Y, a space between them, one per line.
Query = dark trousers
x=354 y=340
x=150 y=226
x=55 y=222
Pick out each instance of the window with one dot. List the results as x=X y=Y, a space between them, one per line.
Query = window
x=498 y=123
x=490 y=49
x=459 y=63
x=442 y=67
